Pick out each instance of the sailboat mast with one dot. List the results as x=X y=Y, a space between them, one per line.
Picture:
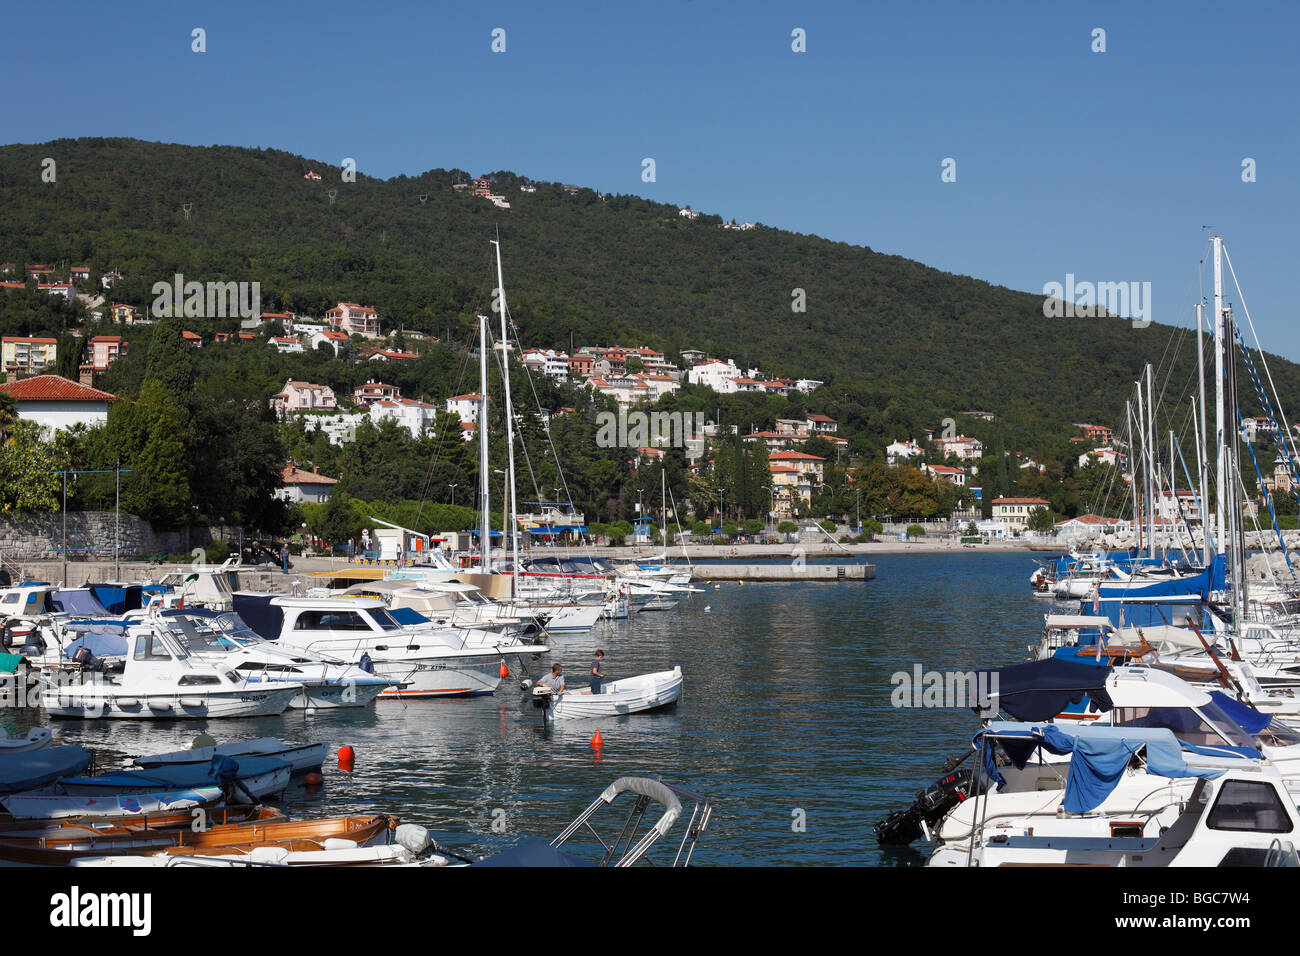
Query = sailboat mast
x=513 y=506
x=1202 y=453
x=1221 y=476
x=485 y=525
x=1151 y=460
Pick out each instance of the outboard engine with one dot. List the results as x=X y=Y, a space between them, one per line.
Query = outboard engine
x=930 y=807
x=87 y=660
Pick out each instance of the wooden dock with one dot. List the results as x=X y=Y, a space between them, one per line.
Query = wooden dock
x=808 y=571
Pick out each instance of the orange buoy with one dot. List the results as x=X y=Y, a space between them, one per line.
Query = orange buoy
x=313 y=781
x=346 y=756
x=503 y=671
x=597 y=741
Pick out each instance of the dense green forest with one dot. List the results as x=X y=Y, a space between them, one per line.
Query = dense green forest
x=901 y=346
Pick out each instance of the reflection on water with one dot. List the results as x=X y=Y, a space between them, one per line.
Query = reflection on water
x=785 y=707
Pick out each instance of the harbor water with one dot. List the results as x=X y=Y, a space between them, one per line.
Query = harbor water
x=786 y=721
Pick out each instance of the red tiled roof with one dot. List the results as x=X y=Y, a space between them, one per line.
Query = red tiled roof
x=54 y=388
x=20 y=339
x=794 y=456
x=293 y=475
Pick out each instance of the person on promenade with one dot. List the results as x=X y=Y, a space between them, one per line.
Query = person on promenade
x=284 y=557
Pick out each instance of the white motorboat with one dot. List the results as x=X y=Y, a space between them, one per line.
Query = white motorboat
x=417 y=660
x=160 y=679
x=224 y=640
x=631 y=695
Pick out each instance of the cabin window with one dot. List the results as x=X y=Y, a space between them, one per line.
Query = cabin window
x=11 y=599
x=193 y=680
x=149 y=648
x=330 y=620
x=1185 y=722
x=1249 y=806
x=384 y=620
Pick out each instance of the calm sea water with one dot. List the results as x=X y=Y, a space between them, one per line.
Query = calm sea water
x=785 y=708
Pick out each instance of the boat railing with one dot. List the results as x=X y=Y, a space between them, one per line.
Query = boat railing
x=622 y=851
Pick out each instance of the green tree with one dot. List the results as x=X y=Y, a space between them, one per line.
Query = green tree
x=27 y=466
x=158 y=488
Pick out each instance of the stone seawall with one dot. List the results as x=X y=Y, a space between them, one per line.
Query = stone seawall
x=25 y=538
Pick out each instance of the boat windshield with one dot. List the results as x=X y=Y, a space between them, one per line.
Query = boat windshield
x=383 y=619
x=198 y=638
x=1206 y=726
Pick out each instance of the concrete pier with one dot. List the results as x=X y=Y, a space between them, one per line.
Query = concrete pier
x=809 y=571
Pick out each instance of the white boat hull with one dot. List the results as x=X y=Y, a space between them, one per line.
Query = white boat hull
x=428 y=678
x=90 y=703
x=633 y=695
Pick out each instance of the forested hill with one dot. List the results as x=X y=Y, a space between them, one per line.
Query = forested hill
x=579 y=268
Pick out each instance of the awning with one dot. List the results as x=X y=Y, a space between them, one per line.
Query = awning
x=1039 y=690
x=1098 y=756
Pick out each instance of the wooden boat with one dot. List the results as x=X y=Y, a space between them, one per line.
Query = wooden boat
x=303 y=757
x=631 y=695
x=293 y=836
x=38 y=738
x=23 y=829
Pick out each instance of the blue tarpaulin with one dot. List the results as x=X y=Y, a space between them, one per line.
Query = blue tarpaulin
x=1098 y=756
x=80 y=602
x=1039 y=690
x=1251 y=720
x=533 y=852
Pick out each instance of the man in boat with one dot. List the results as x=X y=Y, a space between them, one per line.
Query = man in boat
x=597 y=675
x=554 y=680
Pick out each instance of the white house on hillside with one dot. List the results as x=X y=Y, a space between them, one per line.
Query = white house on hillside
x=58 y=403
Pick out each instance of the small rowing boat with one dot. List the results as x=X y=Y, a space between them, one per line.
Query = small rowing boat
x=252 y=778
x=35 y=768
x=303 y=757
x=51 y=806
x=237 y=838
x=631 y=695
x=38 y=738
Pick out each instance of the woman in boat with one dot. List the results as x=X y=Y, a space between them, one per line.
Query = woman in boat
x=597 y=675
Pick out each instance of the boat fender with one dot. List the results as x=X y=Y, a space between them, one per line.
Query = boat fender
x=414 y=837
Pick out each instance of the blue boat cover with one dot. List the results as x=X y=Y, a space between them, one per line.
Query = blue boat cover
x=1251 y=720
x=101 y=638
x=260 y=614
x=35 y=768
x=407 y=615
x=1039 y=690
x=1099 y=755
x=533 y=852
x=117 y=598
x=183 y=776
x=79 y=601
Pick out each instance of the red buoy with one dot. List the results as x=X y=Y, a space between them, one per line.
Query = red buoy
x=313 y=781
x=503 y=671
x=346 y=756
x=597 y=741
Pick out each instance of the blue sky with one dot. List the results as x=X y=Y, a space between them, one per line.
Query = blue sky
x=1104 y=165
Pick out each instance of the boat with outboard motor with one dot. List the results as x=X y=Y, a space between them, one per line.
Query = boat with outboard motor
x=154 y=676
x=631 y=695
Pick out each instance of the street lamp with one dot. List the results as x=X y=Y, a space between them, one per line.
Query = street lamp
x=453 y=493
